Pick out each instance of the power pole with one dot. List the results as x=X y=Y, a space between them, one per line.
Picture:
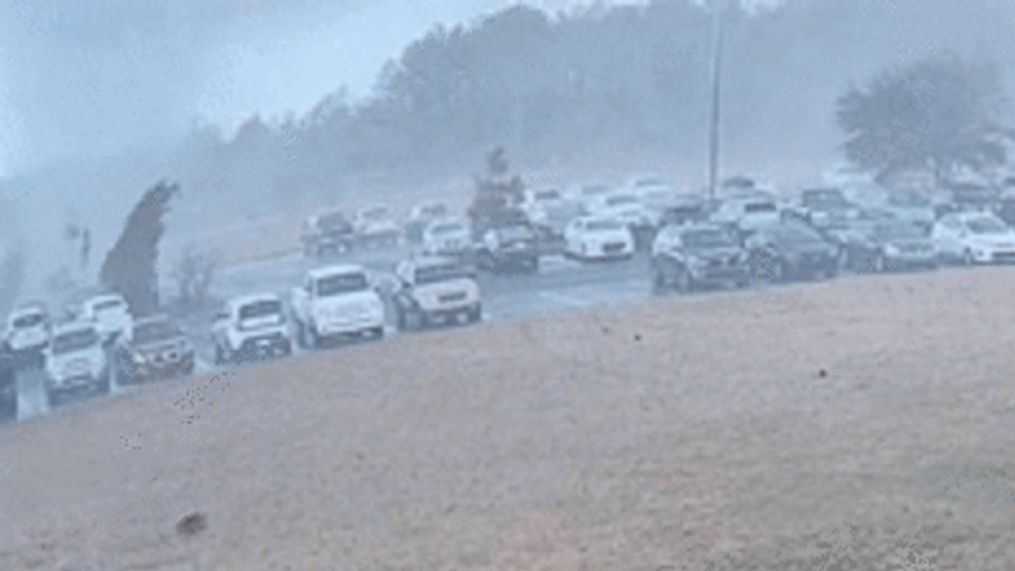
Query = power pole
x=718 y=37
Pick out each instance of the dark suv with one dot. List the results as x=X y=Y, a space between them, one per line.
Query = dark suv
x=327 y=234
x=684 y=257
x=789 y=250
x=509 y=249
x=157 y=348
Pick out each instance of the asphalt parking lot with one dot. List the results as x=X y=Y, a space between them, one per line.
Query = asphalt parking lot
x=560 y=285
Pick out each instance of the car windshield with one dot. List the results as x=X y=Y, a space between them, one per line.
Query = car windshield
x=448 y=228
x=908 y=200
x=546 y=195
x=595 y=190
x=434 y=210
x=603 y=226
x=621 y=200
x=710 y=238
x=108 y=305
x=759 y=207
x=796 y=235
x=28 y=320
x=516 y=234
x=374 y=214
x=159 y=330
x=342 y=283
x=333 y=220
x=264 y=308
x=986 y=225
x=897 y=232
x=75 y=341
x=441 y=273
x=824 y=199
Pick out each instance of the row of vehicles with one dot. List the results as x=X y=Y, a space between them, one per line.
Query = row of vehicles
x=338 y=302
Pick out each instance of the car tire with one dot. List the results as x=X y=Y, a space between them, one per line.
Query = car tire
x=685 y=283
x=301 y=335
x=103 y=385
x=314 y=339
x=660 y=284
x=54 y=398
x=220 y=358
x=967 y=258
x=476 y=314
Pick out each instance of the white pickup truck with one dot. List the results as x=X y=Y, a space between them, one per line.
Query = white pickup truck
x=250 y=327
x=435 y=290
x=336 y=302
x=75 y=360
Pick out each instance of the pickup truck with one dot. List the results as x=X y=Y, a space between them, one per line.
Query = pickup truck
x=435 y=290
x=251 y=327
x=336 y=302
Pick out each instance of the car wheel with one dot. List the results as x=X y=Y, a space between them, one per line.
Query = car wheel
x=103 y=384
x=476 y=314
x=314 y=337
x=880 y=264
x=659 y=282
x=54 y=398
x=684 y=282
x=220 y=358
x=301 y=335
x=967 y=257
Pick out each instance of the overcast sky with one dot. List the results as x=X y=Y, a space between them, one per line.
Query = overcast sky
x=81 y=78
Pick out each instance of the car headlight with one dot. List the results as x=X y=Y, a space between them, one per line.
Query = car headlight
x=892 y=250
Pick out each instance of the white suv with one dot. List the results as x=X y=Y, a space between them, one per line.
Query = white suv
x=252 y=326
x=110 y=314
x=75 y=359
x=27 y=330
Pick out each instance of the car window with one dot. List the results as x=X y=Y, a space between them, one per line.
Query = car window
x=603 y=226
x=986 y=226
x=74 y=341
x=341 y=283
x=263 y=308
x=29 y=320
x=156 y=331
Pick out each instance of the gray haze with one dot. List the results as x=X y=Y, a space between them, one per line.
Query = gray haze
x=101 y=99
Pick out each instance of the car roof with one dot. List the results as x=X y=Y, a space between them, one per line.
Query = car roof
x=325 y=271
x=157 y=318
x=103 y=297
x=72 y=327
x=29 y=308
x=242 y=300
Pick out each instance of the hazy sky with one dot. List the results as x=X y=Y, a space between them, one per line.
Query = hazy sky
x=85 y=77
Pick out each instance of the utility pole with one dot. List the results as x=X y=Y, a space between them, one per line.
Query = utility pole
x=718 y=10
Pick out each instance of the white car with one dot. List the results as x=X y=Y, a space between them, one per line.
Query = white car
x=435 y=290
x=110 y=314
x=252 y=326
x=974 y=238
x=748 y=212
x=625 y=207
x=910 y=207
x=27 y=329
x=336 y=302
x=75 y=360
x=448 y=237
x=375 y=226
x=598 y=238
x=537 y=204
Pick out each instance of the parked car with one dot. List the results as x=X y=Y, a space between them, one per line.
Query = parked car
x=447 y=237
x=820 y=207
x=595 y=238
x=687 y=256
x=157 y=348
x=421 y=216
x=110 y=314
x=747 y=212
x=435 y=290
x=75 y=361
x=685 y=210
x=590 y=195
x=626 y=208
x=250 y=327
x=889 y=245
x=911 y=207
x=375 y=227
x=8 y=388
x=549 y=211
x=970 y=196
x=325 y=234
x=336 y=302
x=974 y=238
x=27 y=333
x=509 y=249
x=790 y=250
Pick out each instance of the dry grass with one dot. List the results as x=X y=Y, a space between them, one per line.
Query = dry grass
x=666 y=435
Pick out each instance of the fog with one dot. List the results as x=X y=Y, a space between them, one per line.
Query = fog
x=256 y=103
